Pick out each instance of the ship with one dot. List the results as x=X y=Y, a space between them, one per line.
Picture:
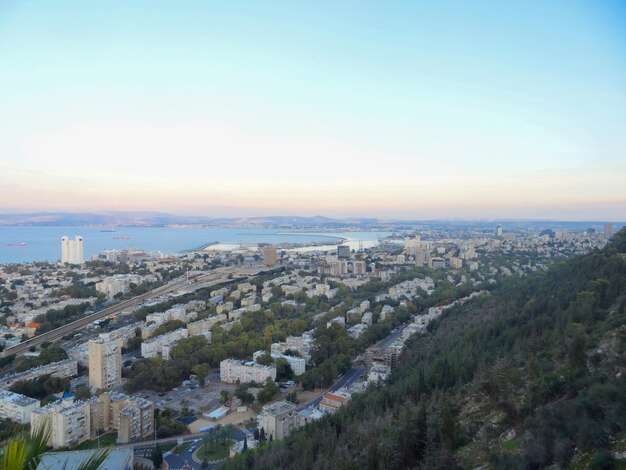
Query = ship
x=121 y=238
x=108 y=230
x=16 y=244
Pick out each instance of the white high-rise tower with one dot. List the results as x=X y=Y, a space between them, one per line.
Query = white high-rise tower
x=72 y=250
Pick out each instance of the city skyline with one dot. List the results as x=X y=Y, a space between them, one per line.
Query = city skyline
x=401 y=111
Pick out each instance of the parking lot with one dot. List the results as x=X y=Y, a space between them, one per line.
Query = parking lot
x=191 y=395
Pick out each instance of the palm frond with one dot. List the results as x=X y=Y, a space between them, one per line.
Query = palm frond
x=24 y=452
x=37 y=443
x=14 y=454
x=95 y=461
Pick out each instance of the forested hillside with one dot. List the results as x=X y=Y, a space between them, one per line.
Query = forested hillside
x=529 y=376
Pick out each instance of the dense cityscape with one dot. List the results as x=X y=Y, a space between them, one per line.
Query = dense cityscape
x=270 y=235
x=210 y=353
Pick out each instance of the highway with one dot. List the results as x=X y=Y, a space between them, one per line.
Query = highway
x=196 y=279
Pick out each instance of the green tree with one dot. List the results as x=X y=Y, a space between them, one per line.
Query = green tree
x=157 y=456
x=82 y=392
x=283 y=370
x=201 y=371
x=265 y=359
x=170 y=325
x=268 y=391
x=577 y=355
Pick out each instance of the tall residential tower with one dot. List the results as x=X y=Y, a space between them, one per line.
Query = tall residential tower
x=72 y=250
x=105 y=363
x=270 y=257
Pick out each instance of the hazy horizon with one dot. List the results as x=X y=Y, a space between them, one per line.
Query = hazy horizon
x=400 y=111
x=192 y=215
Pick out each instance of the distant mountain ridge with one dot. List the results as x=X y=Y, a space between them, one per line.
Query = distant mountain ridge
x=155 y=219
x=146 y=218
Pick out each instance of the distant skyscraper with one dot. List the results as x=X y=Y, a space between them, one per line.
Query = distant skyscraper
x=343 y=251
x=270 y=257
x=72 y=250
x=498 y=231
x=608 y=230
x=105 y=363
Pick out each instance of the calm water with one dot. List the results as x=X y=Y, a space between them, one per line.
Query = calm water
x=44 y=243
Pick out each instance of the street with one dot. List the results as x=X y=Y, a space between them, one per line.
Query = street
x=344 y=381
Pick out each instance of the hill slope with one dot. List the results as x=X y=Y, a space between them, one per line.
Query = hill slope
x=528 y=377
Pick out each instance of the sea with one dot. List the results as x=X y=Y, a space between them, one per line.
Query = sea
x=43 y=243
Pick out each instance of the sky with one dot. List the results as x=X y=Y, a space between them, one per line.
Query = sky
x=399 y=109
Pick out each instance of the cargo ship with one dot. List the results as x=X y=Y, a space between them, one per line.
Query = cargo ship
x=16 y=244
x=121 y=238
x=108 y=230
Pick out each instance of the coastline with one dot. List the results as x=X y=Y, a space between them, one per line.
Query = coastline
x=43 y=242
x=308 y=234
x=280 y=246
x=199 y=248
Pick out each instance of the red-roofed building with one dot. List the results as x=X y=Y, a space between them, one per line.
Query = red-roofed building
x=332 y=401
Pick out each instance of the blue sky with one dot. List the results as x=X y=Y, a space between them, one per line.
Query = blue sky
x=390 y=109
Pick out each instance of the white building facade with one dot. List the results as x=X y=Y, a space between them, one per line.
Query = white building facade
x=17 y=407
x=68 y=422
x=72 y=250
x=233 y=370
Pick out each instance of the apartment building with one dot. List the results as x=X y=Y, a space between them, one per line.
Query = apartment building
x=359 y=268
x=378 y=373
x=199 y=327
x=270 y=257
x=61 y=369
x=105 y=363
x=301 y=344
x=17 y=407
x=120 y=283
x=297 y=364
x=131 y=417
x=72 y=250
x=279 y=419
x=154 y=346
x=233 y=370
x=69 y=422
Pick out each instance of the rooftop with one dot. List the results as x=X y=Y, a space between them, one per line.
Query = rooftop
x=63 y=406
x=118 y=459
x=16 y=398
x=239 y=362
x=278 y=408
